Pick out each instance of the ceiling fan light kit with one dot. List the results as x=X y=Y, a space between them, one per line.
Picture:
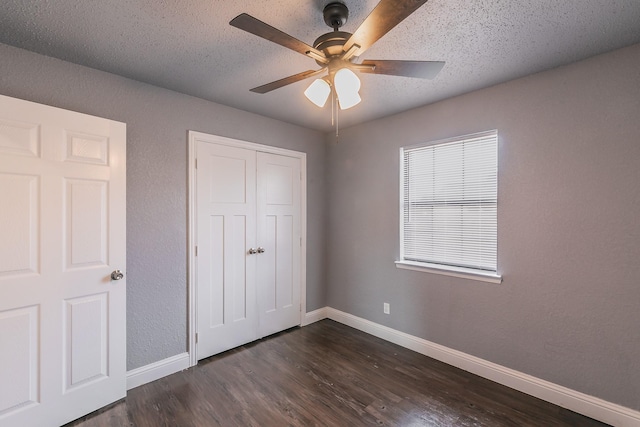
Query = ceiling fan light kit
x=347 y=85
x=336 y=52
x=318 y=92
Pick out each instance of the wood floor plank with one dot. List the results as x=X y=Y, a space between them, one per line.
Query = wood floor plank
x=327 y=374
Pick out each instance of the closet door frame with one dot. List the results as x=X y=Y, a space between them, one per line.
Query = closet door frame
x=194 y=138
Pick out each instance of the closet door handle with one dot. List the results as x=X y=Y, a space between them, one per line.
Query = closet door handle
x=253 y=251
x=117 y=275
x=260 y=250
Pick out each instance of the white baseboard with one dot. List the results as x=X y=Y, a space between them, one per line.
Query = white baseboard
x=576 y=401
x=155 y=371
x=314 y=316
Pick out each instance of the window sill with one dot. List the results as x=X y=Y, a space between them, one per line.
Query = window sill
x=465 y=273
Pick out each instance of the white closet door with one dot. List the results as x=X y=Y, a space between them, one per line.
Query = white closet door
x=279 y=236
x=226 y=229
x=62 y=233
x=248 y=238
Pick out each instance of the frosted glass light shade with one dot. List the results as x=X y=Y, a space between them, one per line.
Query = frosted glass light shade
x=347 y=87
x=318 y=92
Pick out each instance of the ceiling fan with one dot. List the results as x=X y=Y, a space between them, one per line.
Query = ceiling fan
x=336 y=52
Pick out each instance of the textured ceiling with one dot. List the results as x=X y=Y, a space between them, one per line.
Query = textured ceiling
x=188 y=46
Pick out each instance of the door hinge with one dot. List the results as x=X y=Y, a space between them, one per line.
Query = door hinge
x=196 y=163
x=196 y=338
x=196 y=251
x=300 y=241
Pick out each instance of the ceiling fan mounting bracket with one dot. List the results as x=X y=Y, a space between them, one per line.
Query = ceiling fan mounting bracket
x=335 y=15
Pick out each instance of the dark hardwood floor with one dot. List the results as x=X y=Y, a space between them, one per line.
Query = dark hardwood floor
x=327 y=374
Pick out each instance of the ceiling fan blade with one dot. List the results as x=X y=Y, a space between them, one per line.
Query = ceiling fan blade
x=386 y=15
x=254 y=26
x=419 y=69
x=286 y=81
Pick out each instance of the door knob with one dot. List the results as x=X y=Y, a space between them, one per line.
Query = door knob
x=260 y=250
x=252 y=251
x=117 y=275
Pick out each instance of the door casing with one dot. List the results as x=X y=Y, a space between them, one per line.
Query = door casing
x=194 y=138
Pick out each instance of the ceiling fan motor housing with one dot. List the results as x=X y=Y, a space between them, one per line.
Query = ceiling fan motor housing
x=331 y=43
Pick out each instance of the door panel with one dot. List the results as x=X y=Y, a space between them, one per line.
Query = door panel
x=267 y=263
x=19 y=138
x=19 y=331
x=62 y=232
x=86 y=237
x=215 y=300
x=85 y=322
x=20 y=224
x=241 y=292
x=279 y=232
x=83 y=148
x=225 y=210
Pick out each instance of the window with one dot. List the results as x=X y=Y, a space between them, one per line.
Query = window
x=448 y=206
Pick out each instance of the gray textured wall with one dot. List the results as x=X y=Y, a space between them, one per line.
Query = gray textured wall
x=157 y=124
x=569 y=197
x=568 y=310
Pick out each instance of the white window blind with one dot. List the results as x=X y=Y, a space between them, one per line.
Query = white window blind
x=449 y=203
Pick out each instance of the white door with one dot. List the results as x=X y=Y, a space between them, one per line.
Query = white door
x=226 y=209
x=248 y=233
x=62 y=233
x=279 y=236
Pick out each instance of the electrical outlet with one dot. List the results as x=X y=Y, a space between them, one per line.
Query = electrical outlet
x=385 y=308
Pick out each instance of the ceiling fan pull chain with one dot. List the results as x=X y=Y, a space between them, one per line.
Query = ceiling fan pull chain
x=333 y=109
x=337 y=120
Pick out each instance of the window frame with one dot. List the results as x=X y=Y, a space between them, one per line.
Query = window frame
x=437 y=268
